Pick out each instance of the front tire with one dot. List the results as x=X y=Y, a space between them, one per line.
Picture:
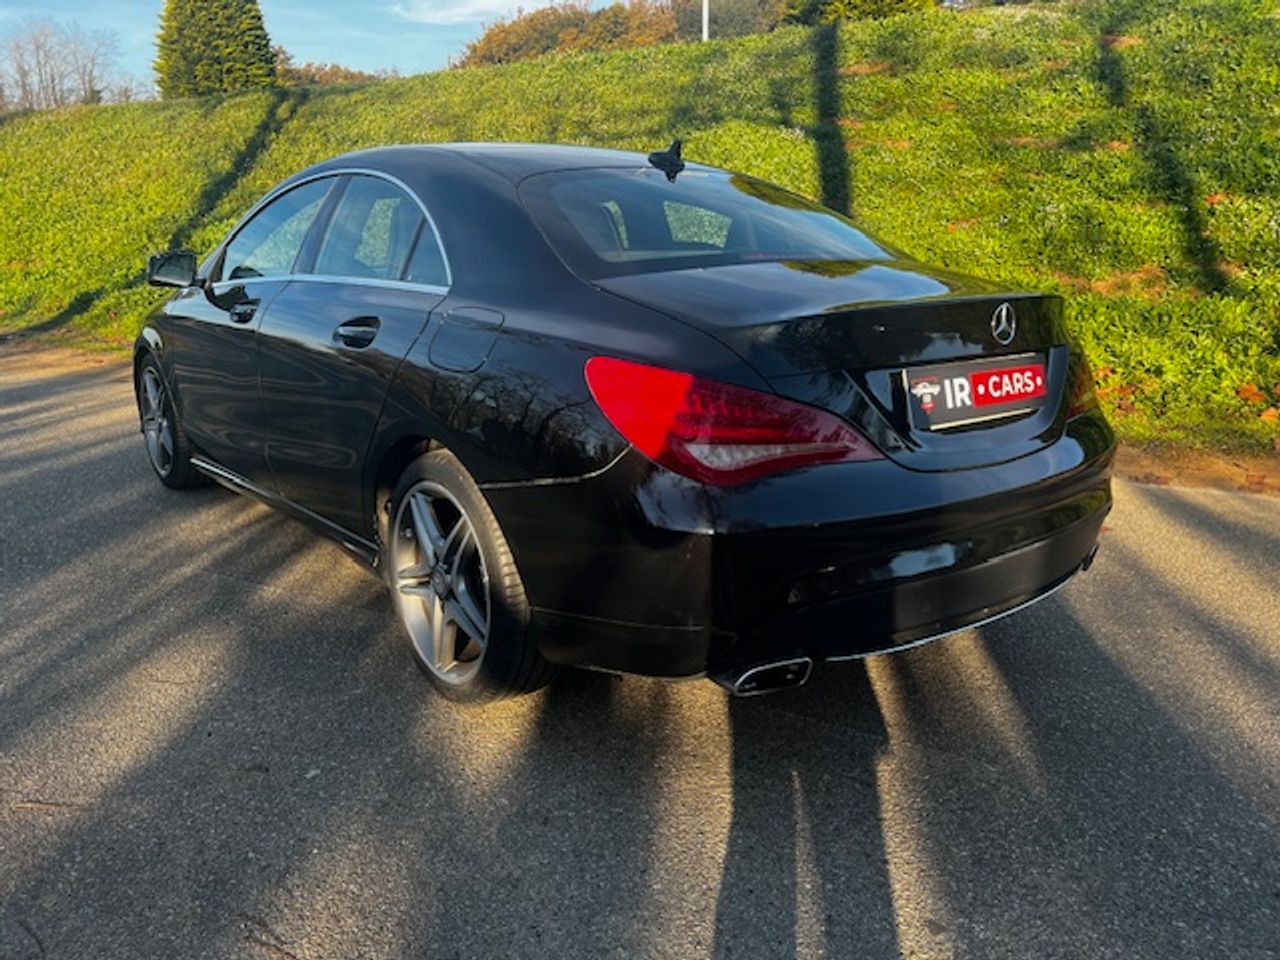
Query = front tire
x=167 y=446
x=455 y=586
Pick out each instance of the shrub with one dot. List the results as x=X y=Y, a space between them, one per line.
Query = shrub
x=729 y=18
x=573 y=26
x=827 y=11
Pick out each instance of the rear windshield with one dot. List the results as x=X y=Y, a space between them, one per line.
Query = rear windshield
x=608 y=222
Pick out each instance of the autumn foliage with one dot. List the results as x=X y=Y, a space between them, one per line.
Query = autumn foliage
x=573 y=26
x=290 y=73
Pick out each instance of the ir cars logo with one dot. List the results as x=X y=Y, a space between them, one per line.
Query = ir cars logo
x=925 y=390
x=957 y=392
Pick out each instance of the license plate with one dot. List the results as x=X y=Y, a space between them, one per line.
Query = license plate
x=955 y=394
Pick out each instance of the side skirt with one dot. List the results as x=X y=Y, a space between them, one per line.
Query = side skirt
x=363 y=550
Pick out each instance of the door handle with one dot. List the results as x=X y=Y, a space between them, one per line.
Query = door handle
x=357 y=333
x=243 y=312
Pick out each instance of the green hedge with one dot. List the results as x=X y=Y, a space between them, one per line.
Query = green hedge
x=86 y=193
x=1124 y=153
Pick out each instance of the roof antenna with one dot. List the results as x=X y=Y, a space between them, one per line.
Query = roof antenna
x=668 y=161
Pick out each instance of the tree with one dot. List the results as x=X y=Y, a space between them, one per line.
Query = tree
x=127 y=88
x=44 y=65
x=212 y=46
x=90 y=56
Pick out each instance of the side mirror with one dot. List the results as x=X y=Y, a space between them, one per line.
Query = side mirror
x=176 y=268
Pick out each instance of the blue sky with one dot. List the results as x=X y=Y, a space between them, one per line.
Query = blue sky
x=410 y=35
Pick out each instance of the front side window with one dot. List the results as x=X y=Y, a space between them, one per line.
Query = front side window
x=268 y=245
x=372 y=232
x=611 y=221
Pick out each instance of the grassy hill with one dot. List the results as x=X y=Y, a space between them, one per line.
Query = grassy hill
x=1123 y=152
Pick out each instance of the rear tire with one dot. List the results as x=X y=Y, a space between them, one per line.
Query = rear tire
x=455 y=586
x=167 y=446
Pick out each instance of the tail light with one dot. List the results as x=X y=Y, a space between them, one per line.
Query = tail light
x=1081 y=395
x=715 y=432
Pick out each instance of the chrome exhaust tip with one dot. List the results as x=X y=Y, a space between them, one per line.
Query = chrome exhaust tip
x=767 y=677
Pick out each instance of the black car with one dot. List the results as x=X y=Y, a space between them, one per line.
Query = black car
x=593 y=408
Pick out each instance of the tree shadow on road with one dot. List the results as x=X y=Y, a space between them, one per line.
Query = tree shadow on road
x=805 y=863
x=213 y=743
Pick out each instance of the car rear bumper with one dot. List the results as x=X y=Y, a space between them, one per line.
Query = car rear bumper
x=639 y=572
x=901 y=612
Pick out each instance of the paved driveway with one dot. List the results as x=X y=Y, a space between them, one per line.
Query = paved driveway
x=213 y=744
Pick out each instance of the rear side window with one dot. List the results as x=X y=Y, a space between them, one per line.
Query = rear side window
x=607 y=222
x=426 y=263
x=268 y=245
x=371 y=233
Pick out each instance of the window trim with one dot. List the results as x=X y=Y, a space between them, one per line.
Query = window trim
x=215 y=257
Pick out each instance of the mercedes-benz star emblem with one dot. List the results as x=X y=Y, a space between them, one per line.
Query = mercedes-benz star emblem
x=1004 y=324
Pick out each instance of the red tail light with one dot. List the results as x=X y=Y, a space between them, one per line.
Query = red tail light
x=1082 y=395
x=715 y=432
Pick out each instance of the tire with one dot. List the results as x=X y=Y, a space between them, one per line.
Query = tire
x=168 y=448
x=467 y=619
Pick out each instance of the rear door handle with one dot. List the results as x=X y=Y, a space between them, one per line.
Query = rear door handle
x=357 y=333
x=243 y=312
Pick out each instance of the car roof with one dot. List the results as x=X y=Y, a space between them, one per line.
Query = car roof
x=514 y=161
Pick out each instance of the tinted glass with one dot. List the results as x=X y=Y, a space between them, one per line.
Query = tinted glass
x=615 y=221
x=371 y=233
x=268 y=245
x=426 y=264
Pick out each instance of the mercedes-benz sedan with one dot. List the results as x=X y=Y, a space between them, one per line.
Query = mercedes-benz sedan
x=601 y=409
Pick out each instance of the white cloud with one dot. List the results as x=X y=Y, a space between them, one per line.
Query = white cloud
x=458 y=11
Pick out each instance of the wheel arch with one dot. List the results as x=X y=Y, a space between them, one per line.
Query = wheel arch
x=386 y=468
x=149 y=344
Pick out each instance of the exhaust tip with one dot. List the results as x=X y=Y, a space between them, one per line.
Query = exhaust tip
x=768 y=677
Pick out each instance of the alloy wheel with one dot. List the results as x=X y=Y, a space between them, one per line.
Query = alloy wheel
x=441 y=582
x=156 y=424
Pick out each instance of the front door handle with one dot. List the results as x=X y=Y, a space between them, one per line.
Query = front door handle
x=357 y=333
x=243 y=312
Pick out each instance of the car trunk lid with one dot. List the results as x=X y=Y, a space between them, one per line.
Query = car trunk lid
x=856 y=337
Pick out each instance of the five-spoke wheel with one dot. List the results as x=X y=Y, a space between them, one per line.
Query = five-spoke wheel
x=156 y=426
x=441 y=583
x=167 y=446
x=455 y=585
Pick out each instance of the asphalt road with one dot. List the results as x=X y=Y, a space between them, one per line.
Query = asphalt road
x=213 y=744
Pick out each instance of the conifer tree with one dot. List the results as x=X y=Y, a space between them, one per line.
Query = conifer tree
x=212 y=46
